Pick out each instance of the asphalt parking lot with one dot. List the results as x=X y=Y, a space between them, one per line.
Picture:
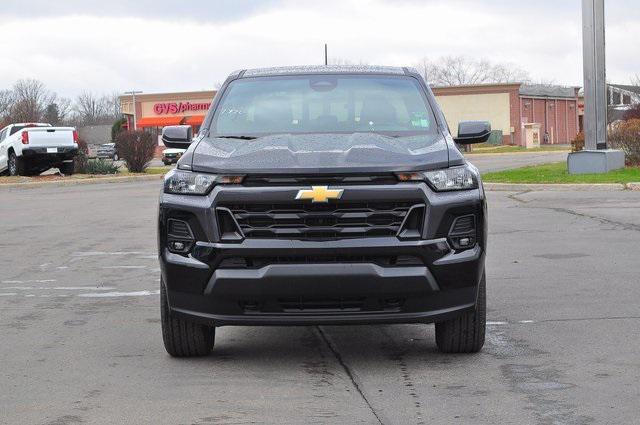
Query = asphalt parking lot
x=81 y=340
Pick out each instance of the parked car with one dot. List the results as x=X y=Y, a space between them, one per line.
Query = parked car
x=108 y=151
x=171 y=156
x=328 y=195
x=31 y=148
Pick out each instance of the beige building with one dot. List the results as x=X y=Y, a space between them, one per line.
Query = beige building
x=154 y=111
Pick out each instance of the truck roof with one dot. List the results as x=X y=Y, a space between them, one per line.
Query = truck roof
x=323 y=69
x=32 y=124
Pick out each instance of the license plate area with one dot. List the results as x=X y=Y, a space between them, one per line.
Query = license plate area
x=52 y=150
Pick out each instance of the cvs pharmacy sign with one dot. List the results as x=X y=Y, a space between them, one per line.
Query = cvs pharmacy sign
x=179 y=107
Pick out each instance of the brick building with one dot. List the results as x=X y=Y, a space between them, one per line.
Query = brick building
x=510 y=106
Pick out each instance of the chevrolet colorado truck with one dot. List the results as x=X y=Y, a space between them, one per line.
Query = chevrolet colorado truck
x=30 y=148
x=329 y=195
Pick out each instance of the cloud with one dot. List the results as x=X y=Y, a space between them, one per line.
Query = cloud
x=77 y=47
x=220 y=10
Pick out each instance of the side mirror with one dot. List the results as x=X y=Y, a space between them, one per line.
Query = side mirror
x=177 y=136
x=470 y=132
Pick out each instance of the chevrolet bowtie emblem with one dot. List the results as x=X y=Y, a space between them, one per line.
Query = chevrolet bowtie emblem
x=319 y=194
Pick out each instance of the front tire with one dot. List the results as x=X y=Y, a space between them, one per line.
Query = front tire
x=183 y=338
x=465 y=334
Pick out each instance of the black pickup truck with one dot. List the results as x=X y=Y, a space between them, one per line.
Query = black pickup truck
x=321 y=196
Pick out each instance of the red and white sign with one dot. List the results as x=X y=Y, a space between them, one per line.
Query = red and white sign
x=166 y=108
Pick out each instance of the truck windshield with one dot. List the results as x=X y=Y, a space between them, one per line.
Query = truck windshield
x=389 y=105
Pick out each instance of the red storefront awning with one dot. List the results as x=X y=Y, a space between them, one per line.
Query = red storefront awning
x=159 y=121
x=195 y=120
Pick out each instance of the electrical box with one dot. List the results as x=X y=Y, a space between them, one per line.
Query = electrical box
x=532 y=135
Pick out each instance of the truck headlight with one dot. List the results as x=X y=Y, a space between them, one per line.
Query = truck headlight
x=454 y=178
x=182 y=182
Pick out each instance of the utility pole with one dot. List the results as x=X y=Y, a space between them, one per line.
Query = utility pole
x=595 y=84
x=133 y=94
x=595 y=158
x=326 y=58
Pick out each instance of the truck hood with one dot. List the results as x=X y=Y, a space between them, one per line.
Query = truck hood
x=319 y=153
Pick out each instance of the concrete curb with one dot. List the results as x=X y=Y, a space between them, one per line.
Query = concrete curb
x=633 y=186
x=513 y=187
x=75 y=182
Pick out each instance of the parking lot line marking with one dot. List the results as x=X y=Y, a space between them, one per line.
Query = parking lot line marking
x=104 y=253
x=123 y=267
x=20 y=288
x=8 y=294
x=120 y=294
x=84 y=288
x=61 y=288
x=30 y=281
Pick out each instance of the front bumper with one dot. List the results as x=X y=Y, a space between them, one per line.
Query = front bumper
x=441 y=284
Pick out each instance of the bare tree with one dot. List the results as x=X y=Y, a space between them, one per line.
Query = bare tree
x=635 y=80
x=92 y=109
x=6 y=100
x=543 y=82
x=460 y=70
x=114 y=106
x=30 y=100
x=343 y=61
x=64 y=110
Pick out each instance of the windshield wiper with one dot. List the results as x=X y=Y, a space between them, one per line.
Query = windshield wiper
x=241 y=137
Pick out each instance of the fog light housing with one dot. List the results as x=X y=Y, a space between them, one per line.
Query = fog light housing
x=180 y=238
x=463 y=232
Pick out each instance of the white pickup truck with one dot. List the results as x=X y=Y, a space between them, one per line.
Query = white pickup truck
x=30 y=148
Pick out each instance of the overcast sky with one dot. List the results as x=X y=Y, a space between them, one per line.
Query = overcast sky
x=161 y=45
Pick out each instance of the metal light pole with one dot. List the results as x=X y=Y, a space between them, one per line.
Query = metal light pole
x=326 y=57
x=133 y=95
x=595 y=158
x=595 y=84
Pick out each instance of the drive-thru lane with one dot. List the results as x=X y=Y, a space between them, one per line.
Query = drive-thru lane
x=81 y=339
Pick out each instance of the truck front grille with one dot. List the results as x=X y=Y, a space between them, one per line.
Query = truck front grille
x=323 y=305
x=308 y=221
x=257 y=262
x=305 y=180
x=300 y=304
